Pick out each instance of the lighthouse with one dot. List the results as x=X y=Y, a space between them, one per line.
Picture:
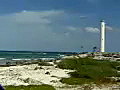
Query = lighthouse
x=102 y=36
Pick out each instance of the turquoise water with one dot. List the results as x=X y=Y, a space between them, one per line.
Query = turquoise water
x=6 y=56
x=11 y=55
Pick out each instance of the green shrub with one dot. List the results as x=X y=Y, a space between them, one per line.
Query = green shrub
x=76 y=81
x=30 y=87
x=87 y=68
x=44 y=64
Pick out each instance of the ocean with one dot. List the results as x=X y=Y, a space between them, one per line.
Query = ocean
x=12 y=56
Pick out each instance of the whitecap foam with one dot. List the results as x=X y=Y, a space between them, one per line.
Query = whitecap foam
x=2 y=58
x=18 y=59
x=48 y=58
x=21 y=59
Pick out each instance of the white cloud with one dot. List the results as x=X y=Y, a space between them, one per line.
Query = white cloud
x=96 y=30
x=87 y=29
x=29 y=30
x=71 y=28
x=67 y=34
x=24 y=11
x=83 y=17
x=92 y=29
x=43 y=30
x=109 y=28
x=35 y=17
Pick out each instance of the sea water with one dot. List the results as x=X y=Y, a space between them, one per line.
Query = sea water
x=11 y=56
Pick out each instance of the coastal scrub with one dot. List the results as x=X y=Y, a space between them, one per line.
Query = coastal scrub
x=88 y=70
x=30 y=87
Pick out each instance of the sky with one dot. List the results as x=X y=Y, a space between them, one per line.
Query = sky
x=58 y=25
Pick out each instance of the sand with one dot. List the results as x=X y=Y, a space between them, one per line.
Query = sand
x=32 y=75
x=37 y=75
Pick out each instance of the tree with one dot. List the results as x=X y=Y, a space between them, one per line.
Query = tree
x=94 y=49
x=82 y=48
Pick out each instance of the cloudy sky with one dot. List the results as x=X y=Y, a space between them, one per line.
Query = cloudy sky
x=58 y=25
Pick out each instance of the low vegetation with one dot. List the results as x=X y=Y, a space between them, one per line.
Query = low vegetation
x=31 y=87
x=89 y=70
x=44 y=64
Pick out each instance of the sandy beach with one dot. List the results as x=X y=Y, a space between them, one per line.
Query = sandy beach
x=32 y=75
x=35 y=74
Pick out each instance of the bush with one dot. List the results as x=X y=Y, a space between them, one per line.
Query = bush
x=30 y=87
x=44 y=64
x=75 y=81
x=87 y=68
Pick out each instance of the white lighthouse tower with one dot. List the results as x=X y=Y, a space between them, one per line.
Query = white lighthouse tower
x=102 y=36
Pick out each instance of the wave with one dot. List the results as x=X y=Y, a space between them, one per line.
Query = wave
x=20 y=59
x=2 y=58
